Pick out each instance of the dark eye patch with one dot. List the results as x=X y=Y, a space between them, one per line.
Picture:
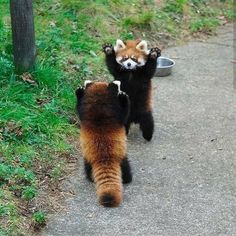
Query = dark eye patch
x=134 y=59
x=124 y=59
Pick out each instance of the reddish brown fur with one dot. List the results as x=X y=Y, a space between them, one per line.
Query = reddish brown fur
x=104 y=150
x=103 y=147
x=131 y=50
x=149 y=99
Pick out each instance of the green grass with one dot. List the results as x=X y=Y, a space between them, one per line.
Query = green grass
x=204 y=25
x=37 y=119
x=39 y=219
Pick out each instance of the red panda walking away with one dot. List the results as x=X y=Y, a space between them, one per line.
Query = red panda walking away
x=134 y=65
x=103 y=111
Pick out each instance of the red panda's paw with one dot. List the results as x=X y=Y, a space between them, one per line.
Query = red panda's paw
x=107 y=48
x=124 y=98
x=155 y=53
x=123 y=94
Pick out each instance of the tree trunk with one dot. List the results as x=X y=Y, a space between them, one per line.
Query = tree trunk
x=22 y=21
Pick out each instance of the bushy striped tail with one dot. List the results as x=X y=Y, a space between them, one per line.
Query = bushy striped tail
x=107 y=177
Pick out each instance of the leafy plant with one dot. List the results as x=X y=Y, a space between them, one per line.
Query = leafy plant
x=175 y=6
x=204 y=25
x=7 y=209
x=139 y=21
x=230 y=13
x=5 y=172
x=39 y=219
x=29 y=193
x=3 y=232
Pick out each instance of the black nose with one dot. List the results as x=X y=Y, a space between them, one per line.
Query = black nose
x=129 y=64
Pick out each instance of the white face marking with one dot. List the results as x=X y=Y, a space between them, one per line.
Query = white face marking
x=117 y=82
x=86 y=82
x=141 y=62
x=118 y=59
x=129 y=64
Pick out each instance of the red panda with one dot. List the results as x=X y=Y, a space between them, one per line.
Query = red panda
x=134 y=65
x=103 y=111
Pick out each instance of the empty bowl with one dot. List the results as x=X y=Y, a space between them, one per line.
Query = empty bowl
x=164 y=66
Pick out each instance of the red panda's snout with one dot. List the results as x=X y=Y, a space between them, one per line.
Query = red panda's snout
x=130 y=63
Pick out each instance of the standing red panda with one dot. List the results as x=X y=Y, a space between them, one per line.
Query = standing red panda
x=103 y=111
x=134 y=65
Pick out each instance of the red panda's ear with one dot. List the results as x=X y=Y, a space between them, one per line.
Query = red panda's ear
x=142 y=46
x=87 y=82
x=117 y=82
x=114 y=87
x=119 y=45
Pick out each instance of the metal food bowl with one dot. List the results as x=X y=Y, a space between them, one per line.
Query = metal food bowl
x=164 y=66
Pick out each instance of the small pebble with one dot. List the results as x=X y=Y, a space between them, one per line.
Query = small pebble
x=90 y=215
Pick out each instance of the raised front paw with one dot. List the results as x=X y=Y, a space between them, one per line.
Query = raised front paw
x=123 y=96
x=124 y=99
x=107 y=48
x=155 y=53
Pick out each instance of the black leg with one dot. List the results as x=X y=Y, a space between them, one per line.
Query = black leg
x=147 y=125
x=88 y=171
x=127 y=127
x=79 y=92
x=126 y=171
